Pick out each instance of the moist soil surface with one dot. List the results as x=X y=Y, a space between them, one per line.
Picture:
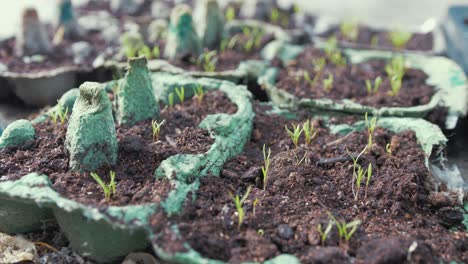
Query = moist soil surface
x=402 y=219
x=228 y=59
x=138 y=158
x=418 y=41
x=349 y=82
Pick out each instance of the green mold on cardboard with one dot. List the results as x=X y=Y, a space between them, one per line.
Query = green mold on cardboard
x=182 y=39
x=17 y=133
x=91 y=139
x=135 y=98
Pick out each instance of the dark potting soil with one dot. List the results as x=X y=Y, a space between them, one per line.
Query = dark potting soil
x=138 y=156
x=418 y=41
x=403 y=221
x=349 y=82
x=228 y=59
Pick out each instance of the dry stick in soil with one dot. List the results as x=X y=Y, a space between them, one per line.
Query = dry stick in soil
x=239 y=202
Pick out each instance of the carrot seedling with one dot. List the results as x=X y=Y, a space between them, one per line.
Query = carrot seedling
x=180 y=94
x=369 y=176
x=239 y=202
x=295 y=134
x=309 y=131
x=108 y=189
x=399 y=38
x=266 y=165
x=324 y=233
x=370 y=130
x=350 y=30
x=199 y=93
x=345 y=230
x=375 y=88
x=156 y=129
x=328 y=83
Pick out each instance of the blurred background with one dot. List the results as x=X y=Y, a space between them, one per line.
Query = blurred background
x=385 y=13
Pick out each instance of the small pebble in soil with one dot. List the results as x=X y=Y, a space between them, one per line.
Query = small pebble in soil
x=285 y=231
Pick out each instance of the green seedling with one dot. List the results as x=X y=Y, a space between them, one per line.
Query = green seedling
x=399 y=38
x=274 y=15
x=239 y=202
x=223 y=45
x=328 y=83
x=296 y=9
x=156 y=128
x=356 y=168
x=370 y=124
x=309 y=131
x=285 y=21
x=266 y=165
x=208 y=61
x=369 y=176
x=373 y=89
x=258 y=39
x=396 y=67
x=395 y=84
x=145 y=51
x=295 y=134
x=337 y=58
x=308 y=79
x=230 y=14
x=254 y=205
x=319 y=64
x=180 y=92
x=350 y=30
x=246 y=31
x=374 y=40
x=59 y=114
x=156 y=52
x=359 y=176
x=249 y=44
x=345 y=230
x=199 y=93
x=108 y=189
x=324 y=233
x=388 y=149
x=170 y=99
x=334 y=53
x=233 y=41
x=261 y=232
